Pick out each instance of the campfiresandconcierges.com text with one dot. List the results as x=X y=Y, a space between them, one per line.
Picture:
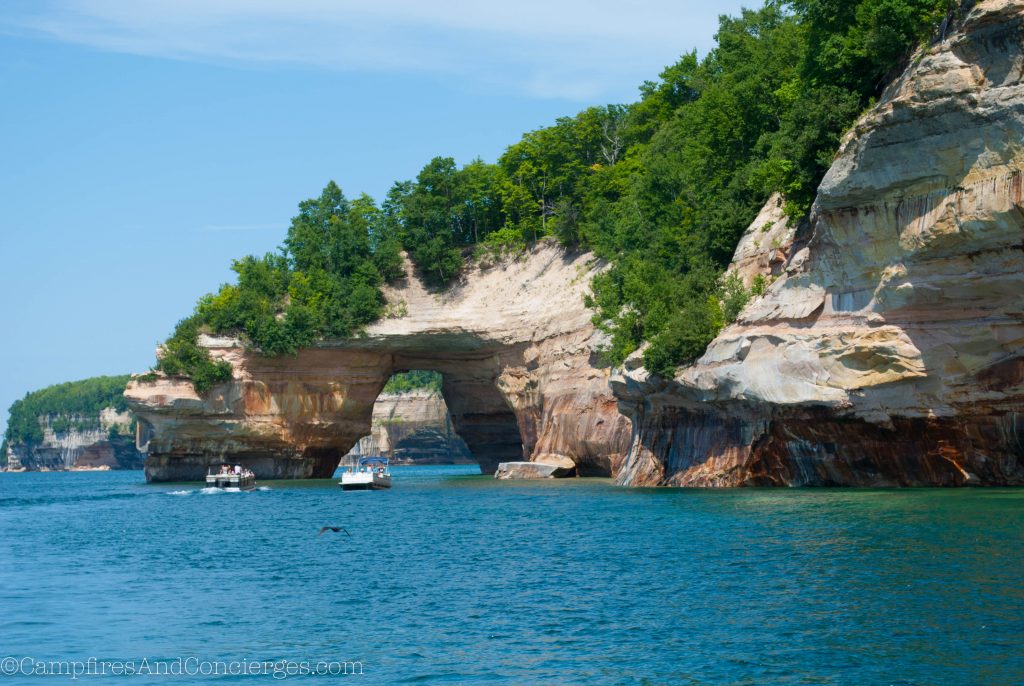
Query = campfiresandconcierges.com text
x=181 y=666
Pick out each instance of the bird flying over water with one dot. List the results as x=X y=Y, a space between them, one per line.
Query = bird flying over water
x=335 y=529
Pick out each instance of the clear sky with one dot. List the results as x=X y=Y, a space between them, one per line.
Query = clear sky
x=144 y=145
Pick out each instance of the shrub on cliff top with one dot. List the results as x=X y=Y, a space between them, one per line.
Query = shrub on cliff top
x=414 y=380
x=181 y=355
x=72 y=404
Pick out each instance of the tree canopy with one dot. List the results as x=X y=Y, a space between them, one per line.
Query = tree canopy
x=661 y=188
x=323 y=282
x=414 y=380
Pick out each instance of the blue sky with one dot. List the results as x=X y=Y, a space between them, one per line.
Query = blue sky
x=144 y=145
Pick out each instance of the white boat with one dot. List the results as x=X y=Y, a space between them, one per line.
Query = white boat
x=231 y=478
x=372 y=474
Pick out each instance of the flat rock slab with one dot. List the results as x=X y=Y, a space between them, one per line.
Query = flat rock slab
x=530 y=470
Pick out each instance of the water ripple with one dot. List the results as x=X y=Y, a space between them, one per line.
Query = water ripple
x=453 y=578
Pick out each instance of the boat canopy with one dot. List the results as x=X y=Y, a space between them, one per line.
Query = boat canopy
x=373 y=460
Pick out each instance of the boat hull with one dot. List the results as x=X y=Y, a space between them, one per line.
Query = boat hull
x=364 y=482
x=231 y=482
x=363 y=487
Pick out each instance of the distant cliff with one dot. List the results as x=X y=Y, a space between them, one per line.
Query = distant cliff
x=413 y=427
x=76 y=425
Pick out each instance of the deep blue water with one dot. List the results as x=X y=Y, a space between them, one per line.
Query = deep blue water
x=455 y=578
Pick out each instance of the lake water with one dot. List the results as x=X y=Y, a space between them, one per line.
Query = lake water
x=456 y=578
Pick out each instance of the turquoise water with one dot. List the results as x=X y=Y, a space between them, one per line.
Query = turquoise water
x=454 y=578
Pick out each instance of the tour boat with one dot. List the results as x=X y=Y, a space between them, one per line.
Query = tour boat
x=372 y=474
x=231 y=479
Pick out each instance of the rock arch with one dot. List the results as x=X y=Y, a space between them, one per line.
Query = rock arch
x=514 y=343
x=412 y=425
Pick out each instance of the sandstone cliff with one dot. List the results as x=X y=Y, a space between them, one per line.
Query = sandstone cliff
x=886 y=351
x=890 y=351
x=412 y=428
x=513 y=341
x=107 y=442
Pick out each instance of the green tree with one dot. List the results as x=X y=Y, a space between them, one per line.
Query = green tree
x=324 y=282
x=481 y=208
x=310 y=235
x=860 y=46
x=431 y=219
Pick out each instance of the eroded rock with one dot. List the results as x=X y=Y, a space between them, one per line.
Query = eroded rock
x=890 y=351
x=514 y=343
x=526 y=471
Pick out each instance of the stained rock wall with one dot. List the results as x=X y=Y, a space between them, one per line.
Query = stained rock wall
x=887 y=350
x=890 y=350
x=515 y=345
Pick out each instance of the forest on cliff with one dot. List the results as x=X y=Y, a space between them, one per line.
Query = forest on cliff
x=71 y=405
x=662 y=189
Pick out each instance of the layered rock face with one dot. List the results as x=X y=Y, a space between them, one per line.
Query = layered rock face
x=890 y=350
x=92 y=448
x=514 y=343
x=412 y=428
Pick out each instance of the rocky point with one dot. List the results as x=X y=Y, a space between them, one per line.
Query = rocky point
x=889 y=351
